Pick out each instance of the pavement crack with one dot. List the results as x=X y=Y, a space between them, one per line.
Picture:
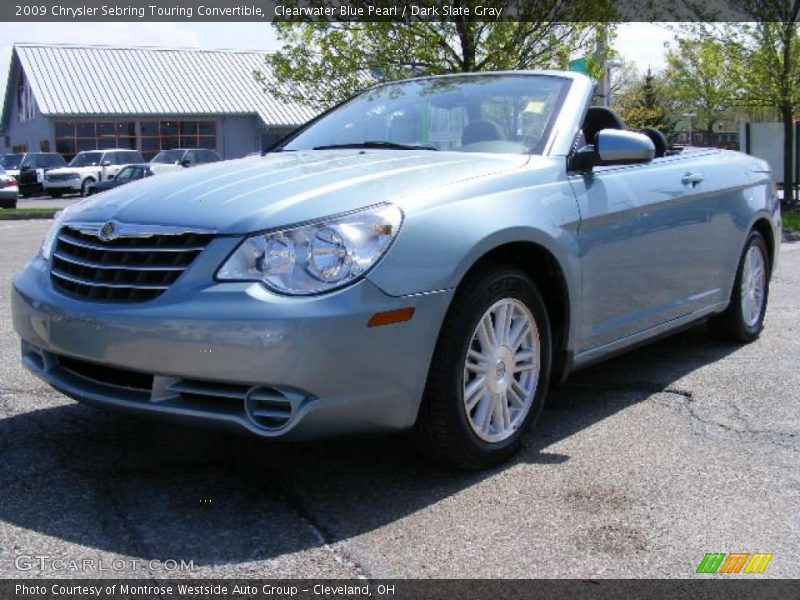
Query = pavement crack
x=745 y=432
x=325 y=536
x=135 y=545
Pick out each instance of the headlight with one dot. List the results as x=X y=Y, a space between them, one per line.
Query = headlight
x=318 y=257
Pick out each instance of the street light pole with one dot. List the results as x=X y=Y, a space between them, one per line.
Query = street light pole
x=611 y=63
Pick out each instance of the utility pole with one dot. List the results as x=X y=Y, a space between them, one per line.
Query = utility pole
x=600 y=49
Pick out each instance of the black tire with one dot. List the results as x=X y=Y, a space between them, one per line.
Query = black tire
x=442 y=430
x=85 y=186
x=56 y=194
x=731 y=325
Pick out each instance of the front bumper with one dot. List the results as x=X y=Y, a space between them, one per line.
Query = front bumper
x=63 y=186
x=30 y=188
x=207 y=352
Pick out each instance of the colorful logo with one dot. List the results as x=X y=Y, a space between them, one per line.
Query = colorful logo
x=734 y=562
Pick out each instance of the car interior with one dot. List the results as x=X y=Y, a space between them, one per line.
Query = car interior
x=481 y=131
x=600 y=117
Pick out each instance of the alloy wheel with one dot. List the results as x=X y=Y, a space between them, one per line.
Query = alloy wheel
x=753 y=285
x=501 y=371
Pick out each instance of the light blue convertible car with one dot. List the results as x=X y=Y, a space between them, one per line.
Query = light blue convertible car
x=428 y=256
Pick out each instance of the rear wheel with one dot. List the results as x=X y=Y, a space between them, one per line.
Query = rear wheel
x=743 y=320
x=56 y=194
x=489 y=373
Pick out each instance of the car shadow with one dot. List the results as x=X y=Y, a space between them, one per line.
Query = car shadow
x=152 y=490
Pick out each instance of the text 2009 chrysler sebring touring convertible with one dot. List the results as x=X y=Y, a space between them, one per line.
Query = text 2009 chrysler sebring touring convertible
x=429 y=255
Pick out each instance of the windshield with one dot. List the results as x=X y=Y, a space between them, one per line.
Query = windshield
x=484 y=113
x=11 y=161
x=86 y=159
x=168 y=156
x=126 y=173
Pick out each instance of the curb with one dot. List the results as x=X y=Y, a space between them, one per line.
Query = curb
x=23 y=217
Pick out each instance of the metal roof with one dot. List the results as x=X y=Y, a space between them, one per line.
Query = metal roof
x=77 y=81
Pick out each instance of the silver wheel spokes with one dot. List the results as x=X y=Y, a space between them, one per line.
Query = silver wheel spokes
x=754 y=279
x=501 y=370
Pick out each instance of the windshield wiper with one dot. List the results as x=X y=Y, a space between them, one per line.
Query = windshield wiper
x=377 y=144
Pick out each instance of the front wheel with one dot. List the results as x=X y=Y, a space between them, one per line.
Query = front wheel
x=743 y=320
x=490 y=371
x=85 y=186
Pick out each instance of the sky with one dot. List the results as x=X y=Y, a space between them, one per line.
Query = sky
x=642 y=43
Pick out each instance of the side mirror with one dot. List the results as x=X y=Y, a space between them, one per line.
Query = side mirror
x=106 y=163
x=618 y=147
x=614 y=147
x=186 y=162
x=25 y=167
x=110 y=177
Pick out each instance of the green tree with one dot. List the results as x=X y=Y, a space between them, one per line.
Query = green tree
x=322 y=63
x=700 y=79
x=771 y=77
x=763 y=56
x=646 y=104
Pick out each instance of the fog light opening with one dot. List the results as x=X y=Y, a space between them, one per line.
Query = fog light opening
x=267 y=408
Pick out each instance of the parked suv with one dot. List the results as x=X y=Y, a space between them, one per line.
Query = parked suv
x=30 y=168
x=170 y=160
x=87 y=168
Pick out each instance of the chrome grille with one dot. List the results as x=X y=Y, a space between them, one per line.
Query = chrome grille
x=135 y=267
x=60 y=176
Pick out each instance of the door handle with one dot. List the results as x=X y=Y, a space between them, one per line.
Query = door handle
x=693 y=178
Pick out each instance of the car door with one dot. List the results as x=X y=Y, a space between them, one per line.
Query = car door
x=27 y=170
x=108 y=166
x=647 y=247
x=37 y=164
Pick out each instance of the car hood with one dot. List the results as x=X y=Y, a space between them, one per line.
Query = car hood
x=59 y=170
x=262 y=192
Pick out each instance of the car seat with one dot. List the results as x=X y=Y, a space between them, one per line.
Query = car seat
x=597 y=118
x=659 y=140
x=481 y=131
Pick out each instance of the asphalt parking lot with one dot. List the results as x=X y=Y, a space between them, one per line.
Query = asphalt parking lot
x=639 y=467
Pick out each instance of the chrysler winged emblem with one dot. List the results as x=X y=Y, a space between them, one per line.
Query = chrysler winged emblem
x=108 y=232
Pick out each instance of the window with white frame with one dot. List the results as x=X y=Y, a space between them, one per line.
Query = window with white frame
x=26 y=105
